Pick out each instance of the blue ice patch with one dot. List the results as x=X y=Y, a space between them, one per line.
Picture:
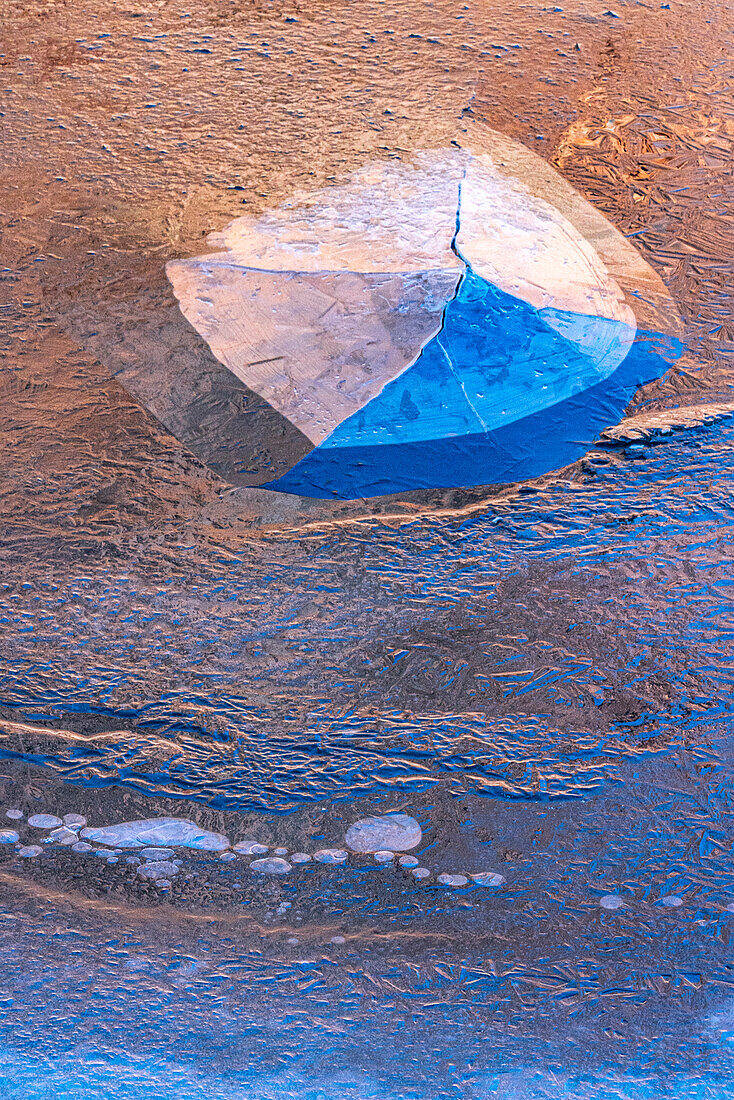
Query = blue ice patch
x=499 y=395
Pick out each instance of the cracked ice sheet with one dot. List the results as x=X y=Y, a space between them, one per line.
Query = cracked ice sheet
x=319 y=304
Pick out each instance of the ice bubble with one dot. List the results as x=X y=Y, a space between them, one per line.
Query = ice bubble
x=63 y=836
x=250 y=848
x=452 y=880
x=73 y=820
x=384 y=857
x=337 y=939
x=44 y=821
x=420 y=872
x=281 y=851
x=227 y=856
x=671 y=901
x=161 y=869
x=300 y=857
x=157 y=853
x=14 y=815
x=271 y=866
x=30 y=850
x=488 y=878
x=396 y=832
x=330 y=855
x=8 y=836
x=408 y=861
x=611 y=901
x=155 y=831
x=81 y=846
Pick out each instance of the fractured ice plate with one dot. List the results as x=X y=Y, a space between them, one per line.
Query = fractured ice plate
x=457 y=317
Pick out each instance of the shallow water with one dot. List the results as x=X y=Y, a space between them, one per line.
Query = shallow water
x=540 y=674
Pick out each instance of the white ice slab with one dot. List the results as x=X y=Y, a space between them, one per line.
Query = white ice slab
x=153 y=832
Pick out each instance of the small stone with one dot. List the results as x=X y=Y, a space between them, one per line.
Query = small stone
x=488 y=878
x=330 y=855
x=152 y=854
x=28 y=851
x=293 y=941
x=271 y=866
x=8 y=836
x=337 y=939
x=408 y=862
x=228 y=856
x=671 y=901
x=452 y=880
x=384 y=857
x=81 y=847
x=281 y=851
x=44 y=821
x=283 y=907
x=396 y=832
x=112 y=859
x=611 y=901
x=15 y=815
x=250 y=848
x=300 y=857
x=420 y=872
x=74 y=821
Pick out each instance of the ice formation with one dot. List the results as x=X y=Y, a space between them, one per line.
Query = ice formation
x=157 y=831
x=396 y=832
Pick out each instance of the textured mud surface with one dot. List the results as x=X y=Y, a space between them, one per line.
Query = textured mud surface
x=541 y=675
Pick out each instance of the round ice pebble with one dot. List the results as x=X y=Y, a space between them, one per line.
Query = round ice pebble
x=271 y=866
x=384 y=857
x=420 y=872
x=611 y=901
x=408 y=862
x=63 y=836
x=393 y=832
x=330 y=855
x=81 y=847
x=300 y=857
x=671 y=901
x=452 y=880
x=44 y=821
x=488 y=878
x=153 y=854
x=28 y=851
x=227 y=857
x=8 y=836
x=72 y=821
x=250 y=848
x=161 y=869
x=14 y=815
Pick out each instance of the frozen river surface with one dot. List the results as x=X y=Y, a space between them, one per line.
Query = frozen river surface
x=540 y=677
